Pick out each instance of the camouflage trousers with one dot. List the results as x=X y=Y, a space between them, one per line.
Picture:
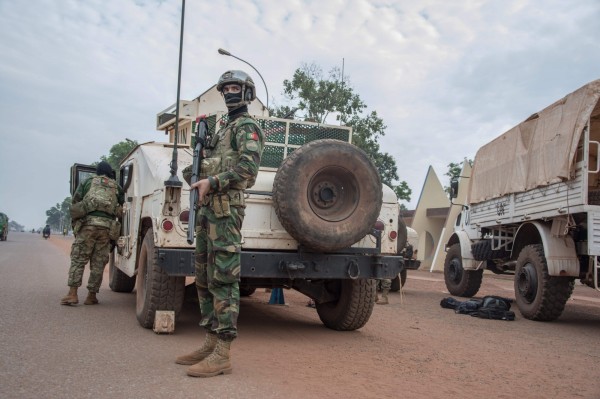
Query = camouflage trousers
x=384 y=284
x=217 y=263
x=92 y=244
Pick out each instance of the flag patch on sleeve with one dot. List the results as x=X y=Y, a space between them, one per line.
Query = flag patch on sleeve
x=252 y=136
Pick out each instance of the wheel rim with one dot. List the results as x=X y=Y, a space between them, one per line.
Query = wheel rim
x=333 y=193
x=455 y=270
x=527 y=282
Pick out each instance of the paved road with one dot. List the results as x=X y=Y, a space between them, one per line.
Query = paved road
x=411 y=348
x=53 y=351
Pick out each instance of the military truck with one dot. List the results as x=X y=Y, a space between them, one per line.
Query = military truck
x=3 y=226
x=533 y=208
x=318 y=219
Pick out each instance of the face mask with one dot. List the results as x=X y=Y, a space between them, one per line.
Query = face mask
x=233 y=98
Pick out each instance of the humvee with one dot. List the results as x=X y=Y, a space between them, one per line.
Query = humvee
x=318 y=219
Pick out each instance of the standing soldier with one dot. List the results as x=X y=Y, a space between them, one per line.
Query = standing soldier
x=94 y=208
x=229 y=168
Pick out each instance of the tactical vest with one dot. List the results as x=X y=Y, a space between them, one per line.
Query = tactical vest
x=101 y=196
x=224 y=154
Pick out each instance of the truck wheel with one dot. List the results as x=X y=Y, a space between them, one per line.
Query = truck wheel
x=402 y=236
x=539 y=296
x=246 y=290
x=459 y=281
x=327 y=195
x=403 y=275
x=353 y=307
x=155 y=290
x=399 y=281
x=117 y=280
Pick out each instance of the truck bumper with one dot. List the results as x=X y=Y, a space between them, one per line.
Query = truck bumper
x=293 y=265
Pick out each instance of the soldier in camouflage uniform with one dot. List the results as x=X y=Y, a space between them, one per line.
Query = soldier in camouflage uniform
x=231 y=162
x=386 y=285
x=94 y=208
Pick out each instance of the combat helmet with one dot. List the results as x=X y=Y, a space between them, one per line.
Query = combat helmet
x=248 y=93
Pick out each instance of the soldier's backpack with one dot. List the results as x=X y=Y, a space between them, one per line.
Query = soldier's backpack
x=489 y=307
x=102 y=196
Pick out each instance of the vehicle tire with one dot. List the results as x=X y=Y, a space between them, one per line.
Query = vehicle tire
x=246 y=290
x=353 y=307
x=399 y=281
x=402 y=235
x=327 y=195
x=155 y=290
x=395 y=287
x=539 y=296
x=117 y=280
x=459 y=281
x=403 y=275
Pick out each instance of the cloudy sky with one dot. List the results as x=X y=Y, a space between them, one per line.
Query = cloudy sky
x=78 y=76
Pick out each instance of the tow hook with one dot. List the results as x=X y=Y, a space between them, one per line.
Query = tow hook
x=353 y=265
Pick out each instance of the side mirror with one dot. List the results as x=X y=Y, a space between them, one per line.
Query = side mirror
x=453 y=188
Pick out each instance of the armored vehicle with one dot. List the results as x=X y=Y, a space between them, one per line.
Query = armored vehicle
x=318 y=220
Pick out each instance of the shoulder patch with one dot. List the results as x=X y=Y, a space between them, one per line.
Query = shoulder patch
x=252 y=136
x=252 y=145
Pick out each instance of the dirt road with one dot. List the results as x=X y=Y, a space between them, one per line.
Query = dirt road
x=411 y=348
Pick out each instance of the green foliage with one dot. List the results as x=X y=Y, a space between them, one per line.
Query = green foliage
x=15 y=226
x=320 y=97
x=454 y=170
x=118 y=152
x=59 y=216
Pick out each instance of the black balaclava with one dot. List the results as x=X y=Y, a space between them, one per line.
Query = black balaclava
x=233 y=98
x=104 y=169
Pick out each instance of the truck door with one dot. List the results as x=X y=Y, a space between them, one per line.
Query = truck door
x=126 y=239
x=79 y=173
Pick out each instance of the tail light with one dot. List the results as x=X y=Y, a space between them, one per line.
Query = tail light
x=184 y=217
x=167 y=225
x=379 y=225
x=393 y=235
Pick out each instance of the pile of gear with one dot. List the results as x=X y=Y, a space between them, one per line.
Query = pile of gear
x=488 y=307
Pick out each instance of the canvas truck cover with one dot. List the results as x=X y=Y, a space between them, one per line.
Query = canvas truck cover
x=537 y=152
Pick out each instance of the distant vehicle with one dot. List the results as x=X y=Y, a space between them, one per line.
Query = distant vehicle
x=47 y=232
x=3 y=226
x=534 y=208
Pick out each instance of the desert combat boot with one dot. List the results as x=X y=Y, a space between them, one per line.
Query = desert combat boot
x=216 y=363
x=210 y=342
x=91 y=299
x=71 y=297
x=384 y=298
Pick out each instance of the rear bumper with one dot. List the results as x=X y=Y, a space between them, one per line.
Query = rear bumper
x=412 y=264
x=293 y=265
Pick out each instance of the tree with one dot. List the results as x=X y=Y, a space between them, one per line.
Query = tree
x=59 y=216
x=323 y=97
x=15 y=226
x=454 y=170
x=118 y=152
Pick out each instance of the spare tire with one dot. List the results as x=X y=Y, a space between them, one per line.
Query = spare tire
x=327 y=194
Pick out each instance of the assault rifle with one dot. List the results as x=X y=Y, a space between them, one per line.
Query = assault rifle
x=200 y=136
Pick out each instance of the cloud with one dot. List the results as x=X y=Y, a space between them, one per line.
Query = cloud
x=446 y=77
